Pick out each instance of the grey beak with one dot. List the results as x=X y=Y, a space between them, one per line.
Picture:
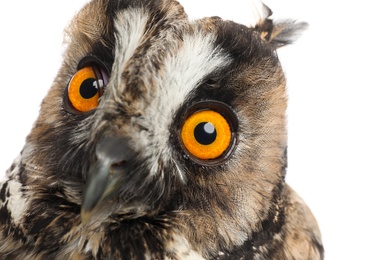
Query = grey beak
x=104 y=176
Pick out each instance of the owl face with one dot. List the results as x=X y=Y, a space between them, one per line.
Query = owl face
x=154 y=115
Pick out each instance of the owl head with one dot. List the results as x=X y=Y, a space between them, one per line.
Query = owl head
x=155 y=116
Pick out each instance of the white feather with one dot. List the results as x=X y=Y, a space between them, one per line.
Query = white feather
x=130 y=25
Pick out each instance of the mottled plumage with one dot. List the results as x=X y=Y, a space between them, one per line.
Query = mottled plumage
x=107 y=171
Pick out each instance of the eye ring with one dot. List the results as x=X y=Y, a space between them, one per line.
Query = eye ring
x=208 y=133
x=86 y=86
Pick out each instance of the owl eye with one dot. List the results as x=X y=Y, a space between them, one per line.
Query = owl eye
x=86 y=87
x=208 y=134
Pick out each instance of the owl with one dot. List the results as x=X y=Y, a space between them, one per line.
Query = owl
x=161 y=138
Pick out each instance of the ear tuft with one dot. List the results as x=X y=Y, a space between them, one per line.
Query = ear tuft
x=286 y=32
x=279 y=33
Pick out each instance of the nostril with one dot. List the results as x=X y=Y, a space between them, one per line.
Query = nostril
x=117 y=166
x=114 y=153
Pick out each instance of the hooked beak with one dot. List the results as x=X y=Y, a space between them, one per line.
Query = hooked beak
x=100 y=185
x=104 y=176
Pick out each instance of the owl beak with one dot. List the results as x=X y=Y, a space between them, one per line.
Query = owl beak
x=104 y=177
x=101 y=184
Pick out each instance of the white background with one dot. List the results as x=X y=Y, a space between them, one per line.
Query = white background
x=338 y=109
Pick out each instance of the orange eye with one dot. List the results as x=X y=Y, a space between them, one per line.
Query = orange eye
x=207 y=135
x=86 y=87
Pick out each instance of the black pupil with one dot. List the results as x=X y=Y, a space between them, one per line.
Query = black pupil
x=88 y=88
x=205 y=133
